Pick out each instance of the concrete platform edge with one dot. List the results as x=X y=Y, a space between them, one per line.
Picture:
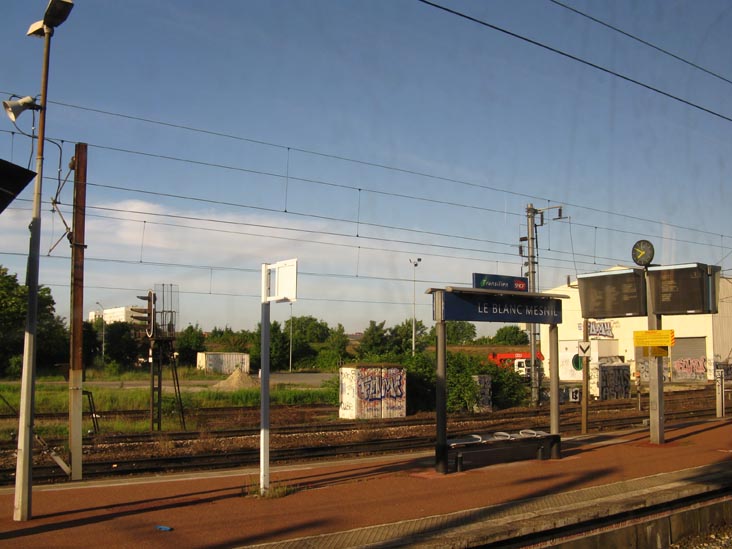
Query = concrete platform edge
x=502 y=523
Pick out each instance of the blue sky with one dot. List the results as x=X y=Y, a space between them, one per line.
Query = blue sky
x=356 y=135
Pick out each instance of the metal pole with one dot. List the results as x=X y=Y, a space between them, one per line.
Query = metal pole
x=655 y=382
x=23 y=472
x=719 y=383
x=414 y=302
x=290 y=337
x=585 y=379
x=414 y=309
x=441 y=386
x=531 y=228
x=103 y=330
x=76 y=368
x=264 y=385
x=152 y=384
x=554 y=379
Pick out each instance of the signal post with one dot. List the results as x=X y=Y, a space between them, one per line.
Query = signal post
x=146 y=315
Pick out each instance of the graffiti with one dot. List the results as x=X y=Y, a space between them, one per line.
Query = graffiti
x=689 y=369
x=614 y=382
x=600 y=329
x=643 y=366
x=372 y=393
x=485 y=397
x=377 y=387
x=725 y=367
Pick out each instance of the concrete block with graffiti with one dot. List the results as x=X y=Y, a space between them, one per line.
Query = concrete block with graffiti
x=614 y=381
x=373 y=392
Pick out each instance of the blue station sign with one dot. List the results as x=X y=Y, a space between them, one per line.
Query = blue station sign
x=488 y=307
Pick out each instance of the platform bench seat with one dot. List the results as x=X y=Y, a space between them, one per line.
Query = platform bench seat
x=504 y=447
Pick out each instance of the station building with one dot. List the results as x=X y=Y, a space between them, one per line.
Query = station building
x=703 y=341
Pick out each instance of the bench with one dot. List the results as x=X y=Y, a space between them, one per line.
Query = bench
x=503 y=447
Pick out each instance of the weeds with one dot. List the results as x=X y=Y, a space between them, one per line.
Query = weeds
x=276 y=490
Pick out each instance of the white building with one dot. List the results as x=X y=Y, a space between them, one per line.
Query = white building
x=703 y=341
x=116 y=314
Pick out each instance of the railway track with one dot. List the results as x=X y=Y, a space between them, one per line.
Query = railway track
x=398 y=439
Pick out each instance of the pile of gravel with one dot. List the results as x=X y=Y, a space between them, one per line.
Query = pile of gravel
x=719 y=538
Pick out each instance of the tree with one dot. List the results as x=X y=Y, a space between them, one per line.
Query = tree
x=374 y=341
x=399 y=337
x=279 y=348
x=91 y=345
x=189 y=343
x=309 y=328
x=122 y=346
x=338 y=341
x=52 y=339
x=227 y=340
x=510 y=335
x=457 y=332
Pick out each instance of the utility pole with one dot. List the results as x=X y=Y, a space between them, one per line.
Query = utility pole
x=76 y=366
x=532 y=264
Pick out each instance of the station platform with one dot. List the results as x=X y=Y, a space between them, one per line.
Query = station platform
x=383 y=501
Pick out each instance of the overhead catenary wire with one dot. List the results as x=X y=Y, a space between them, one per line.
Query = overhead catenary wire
x=641 y=41
x=557 y=51
x=288 y=176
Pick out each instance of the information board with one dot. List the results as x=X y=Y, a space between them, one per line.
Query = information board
x=613 y=294
x=684 y=289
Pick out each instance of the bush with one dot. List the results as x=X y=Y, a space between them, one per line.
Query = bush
x=462 y=390
x=421 y=376
x=113 y=369
x=15 y=367
x=509 y=389
x=327 y=360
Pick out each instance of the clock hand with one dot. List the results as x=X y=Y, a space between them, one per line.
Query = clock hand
x=640 y=252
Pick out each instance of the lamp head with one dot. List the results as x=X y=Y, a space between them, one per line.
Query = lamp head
x=15 y=107
x=56 y=13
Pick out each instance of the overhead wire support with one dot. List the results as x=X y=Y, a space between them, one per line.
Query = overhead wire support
x=533 y=265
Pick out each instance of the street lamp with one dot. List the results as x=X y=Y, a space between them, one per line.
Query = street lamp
x=56 y=13
x=103 y=330
x=415 y=264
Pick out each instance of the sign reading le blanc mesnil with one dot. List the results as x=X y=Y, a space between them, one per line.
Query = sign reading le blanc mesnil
x=502 y=308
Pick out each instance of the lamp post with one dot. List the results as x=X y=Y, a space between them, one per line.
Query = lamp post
x=103 y=330
x=56 y=13
x=415 y=264
x=290 y=337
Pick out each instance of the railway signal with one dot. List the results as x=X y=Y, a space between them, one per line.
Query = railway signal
x=146 y=315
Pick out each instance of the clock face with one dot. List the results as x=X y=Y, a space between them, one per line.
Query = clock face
x=643 y=253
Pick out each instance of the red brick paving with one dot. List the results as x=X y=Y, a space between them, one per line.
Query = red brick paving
x=215 y=510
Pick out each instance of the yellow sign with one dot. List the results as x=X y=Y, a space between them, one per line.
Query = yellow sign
x=655 y=351
x=654 y=338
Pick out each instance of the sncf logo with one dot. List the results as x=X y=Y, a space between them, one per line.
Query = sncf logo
x=520 y=285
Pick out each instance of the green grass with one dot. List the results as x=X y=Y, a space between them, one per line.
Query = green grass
x=54 y=398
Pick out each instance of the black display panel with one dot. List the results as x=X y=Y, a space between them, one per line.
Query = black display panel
x=684 y=289
x=613 y=294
